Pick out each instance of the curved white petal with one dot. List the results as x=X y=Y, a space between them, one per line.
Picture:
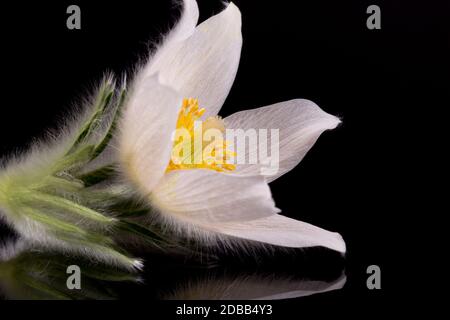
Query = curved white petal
x=146 y=127
x=204 y=65
x=208 y=204
x=195 y=197
x=300 y=123
x=185 y=26
x=282 y=231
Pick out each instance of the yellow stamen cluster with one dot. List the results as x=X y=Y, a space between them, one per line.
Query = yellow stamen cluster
x=198 y=150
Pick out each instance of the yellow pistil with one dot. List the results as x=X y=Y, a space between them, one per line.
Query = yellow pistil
x=200 y=144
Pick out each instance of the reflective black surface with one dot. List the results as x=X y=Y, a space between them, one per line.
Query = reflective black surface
x=351 y=182
x=35 y=274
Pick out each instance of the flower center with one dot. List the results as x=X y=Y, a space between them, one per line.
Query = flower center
x=199 y=144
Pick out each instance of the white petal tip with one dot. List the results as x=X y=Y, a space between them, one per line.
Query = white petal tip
x=334 y=122
x=327 y=121
x=232 y=5
x=339 y=244
x=233 y=10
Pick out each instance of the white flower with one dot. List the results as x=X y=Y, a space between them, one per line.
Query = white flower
x=201 y=62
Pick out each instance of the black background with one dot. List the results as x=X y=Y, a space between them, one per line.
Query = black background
x=377 y=81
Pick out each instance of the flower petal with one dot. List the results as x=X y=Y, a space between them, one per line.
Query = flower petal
x=145 y=133
x=300 y=123
x=204 y=65
x=205 y=196
x=282 y=231
x=185 y=26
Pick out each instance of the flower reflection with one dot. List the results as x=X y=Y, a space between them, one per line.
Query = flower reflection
x=252 y=287
x=26 y=273
x=29 y=273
